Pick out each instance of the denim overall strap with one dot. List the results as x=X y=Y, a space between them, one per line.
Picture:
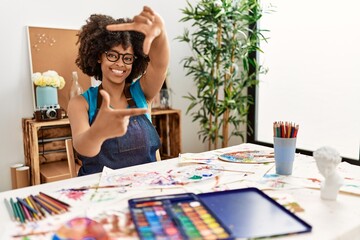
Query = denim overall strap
x=137 y=146
x=128 y=96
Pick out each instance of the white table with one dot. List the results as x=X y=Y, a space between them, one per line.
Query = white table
x=338 y=219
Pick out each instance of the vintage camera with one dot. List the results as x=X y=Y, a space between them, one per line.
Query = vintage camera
x=47 y=113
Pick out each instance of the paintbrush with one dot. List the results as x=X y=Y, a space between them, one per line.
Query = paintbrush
x=233 y=170
x=98 y=187
x=24 y=235
x=220 y=168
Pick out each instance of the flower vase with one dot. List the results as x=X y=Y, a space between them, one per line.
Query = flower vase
x=46 y=96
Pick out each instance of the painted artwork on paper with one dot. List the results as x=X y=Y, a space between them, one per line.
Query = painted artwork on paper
x=173 y=177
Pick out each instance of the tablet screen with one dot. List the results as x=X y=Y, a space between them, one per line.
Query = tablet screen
x=250 y=213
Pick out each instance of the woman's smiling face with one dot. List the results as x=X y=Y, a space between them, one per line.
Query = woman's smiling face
x=116 y=71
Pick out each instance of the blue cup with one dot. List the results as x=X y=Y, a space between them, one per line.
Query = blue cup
x=284 y=153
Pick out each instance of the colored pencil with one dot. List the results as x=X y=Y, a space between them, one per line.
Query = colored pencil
x=35 y=215
x=17 y=213
x=26 y=211
x=285 y=129
x=296 y=130
x=10 y=209
x=52 y=209
x=292 y=131
x=32 y=208
x=17 y=218
x=288 y=130
x=49 y=211
x=37 y=207
x=52 y=204
x=26 y=205
x=20 y=212
x=56 y=200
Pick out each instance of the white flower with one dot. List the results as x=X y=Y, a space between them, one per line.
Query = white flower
x=49 y=78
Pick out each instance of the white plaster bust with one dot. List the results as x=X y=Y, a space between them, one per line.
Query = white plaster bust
x=327 y=160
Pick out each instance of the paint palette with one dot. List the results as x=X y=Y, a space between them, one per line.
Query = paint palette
x=178 y=216
x=251 y=156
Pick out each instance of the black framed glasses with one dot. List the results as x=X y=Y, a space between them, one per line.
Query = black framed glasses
x=114 y=56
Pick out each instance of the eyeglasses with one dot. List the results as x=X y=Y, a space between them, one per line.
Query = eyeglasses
x=113 y=56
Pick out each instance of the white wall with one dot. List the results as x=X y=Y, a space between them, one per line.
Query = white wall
x=15 y=92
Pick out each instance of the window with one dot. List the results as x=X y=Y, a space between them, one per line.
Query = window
x=313 y=56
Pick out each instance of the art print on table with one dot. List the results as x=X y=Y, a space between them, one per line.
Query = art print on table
x=248 y=156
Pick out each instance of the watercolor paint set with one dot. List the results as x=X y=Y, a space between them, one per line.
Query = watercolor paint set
x=178 y=216
x=231 y=214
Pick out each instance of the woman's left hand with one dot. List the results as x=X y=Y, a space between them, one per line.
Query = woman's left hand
x=147 y=22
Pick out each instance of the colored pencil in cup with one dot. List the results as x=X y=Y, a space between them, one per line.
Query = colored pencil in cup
x=285 y=129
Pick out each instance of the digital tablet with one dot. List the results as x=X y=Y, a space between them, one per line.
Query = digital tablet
x=250 y=213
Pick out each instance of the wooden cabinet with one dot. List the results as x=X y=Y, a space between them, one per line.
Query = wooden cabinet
x=45 y=151
x=168 y=124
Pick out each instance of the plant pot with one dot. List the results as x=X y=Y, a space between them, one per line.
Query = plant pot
x=46 y=96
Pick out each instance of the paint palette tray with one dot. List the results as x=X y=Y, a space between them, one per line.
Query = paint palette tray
x=179 y=216
x=239 y=213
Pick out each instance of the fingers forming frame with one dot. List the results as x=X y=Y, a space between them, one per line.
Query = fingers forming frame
x=121 y=112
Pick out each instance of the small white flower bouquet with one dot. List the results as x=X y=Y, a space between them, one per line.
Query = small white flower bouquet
x=48 y=79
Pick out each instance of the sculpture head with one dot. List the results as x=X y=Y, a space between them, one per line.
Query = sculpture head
x=327 y=158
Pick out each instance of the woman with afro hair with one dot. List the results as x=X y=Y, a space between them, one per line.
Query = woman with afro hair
x=110 y=124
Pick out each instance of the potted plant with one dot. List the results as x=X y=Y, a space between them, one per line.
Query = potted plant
x=224 y=40
x=46 y=87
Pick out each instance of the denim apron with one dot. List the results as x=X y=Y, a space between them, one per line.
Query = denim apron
x=137 y=146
